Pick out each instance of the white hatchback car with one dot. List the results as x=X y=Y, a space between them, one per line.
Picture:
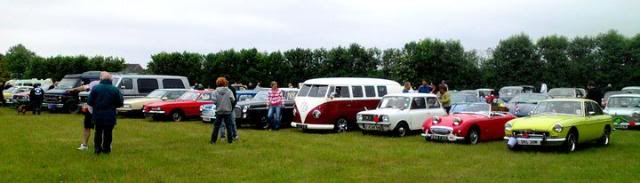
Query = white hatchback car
x=400 y=113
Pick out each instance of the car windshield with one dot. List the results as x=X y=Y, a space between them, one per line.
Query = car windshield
x=189 y=96
x=624 y=102
x=632 y=90
x=484 y=92
x=157 y=94
x=260 y=96
x=316 y=91
x=562 y=92
x=67 y=83
x=469 y=92
x=459 y=97
x=528 y=98
x=244 y=97
x=394 y=102
x=510 y=91
x=471 y=107
x=559 y=107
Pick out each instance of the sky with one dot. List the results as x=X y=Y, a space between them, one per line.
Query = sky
x=136 y=29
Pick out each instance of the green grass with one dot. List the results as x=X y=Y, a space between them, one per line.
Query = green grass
x=42 y=149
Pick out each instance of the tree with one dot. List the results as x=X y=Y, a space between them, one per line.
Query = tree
x=185 y=64
x=516 y=62
x=555 y=60
x=17 y=59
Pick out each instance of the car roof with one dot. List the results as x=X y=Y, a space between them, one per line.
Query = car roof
x=173 y=89
x=631 y=87
x=485 y=89
x=624 y=95
x=411 y=95
x=509 y=87
x=146 y=76
x=351 y=81
x=570 y=99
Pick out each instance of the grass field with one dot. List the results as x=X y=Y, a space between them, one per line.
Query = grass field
x=42 y=149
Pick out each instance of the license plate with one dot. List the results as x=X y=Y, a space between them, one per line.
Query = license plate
x=371 y=127
x=441 y=138
x=529 y=142
x=206 y=119
x=301 y=126
x=622 y=126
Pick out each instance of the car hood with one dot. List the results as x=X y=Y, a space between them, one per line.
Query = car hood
x=448 y=119
x=252 y=103
x=380 y=111
x=56 y=92
x=140 y=100
x=540 y=122
x=164 y=103
x=619 y=111
x=523 y=108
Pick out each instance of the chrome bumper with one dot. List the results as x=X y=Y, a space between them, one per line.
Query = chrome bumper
x=156 y=112
x=312 y=126
x=449 y=137
x=536 y=141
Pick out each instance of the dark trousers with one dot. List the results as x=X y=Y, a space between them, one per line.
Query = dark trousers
x=102 y=138
x=226 y=119
x=35 y=107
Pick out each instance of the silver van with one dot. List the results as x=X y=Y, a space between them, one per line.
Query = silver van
x=135 y=85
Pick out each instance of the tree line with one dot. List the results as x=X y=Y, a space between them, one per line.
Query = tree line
x=605 y=58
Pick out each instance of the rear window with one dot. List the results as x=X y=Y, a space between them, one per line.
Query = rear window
x=382 y=91
x=172 y=83
x=147 y=85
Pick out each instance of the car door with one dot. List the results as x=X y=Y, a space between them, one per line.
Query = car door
x=418 y=112
x=599 y=120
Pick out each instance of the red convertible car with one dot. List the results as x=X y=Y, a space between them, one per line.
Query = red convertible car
x=471 y=123
x=186 y=106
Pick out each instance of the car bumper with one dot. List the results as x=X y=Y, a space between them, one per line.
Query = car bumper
x=438 y=137
x=535 y=141
x=371 y=126
x=52 y=106
x=625 y=125
x=312 y=126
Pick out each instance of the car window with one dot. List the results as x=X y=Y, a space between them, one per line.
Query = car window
x=304 y=90
x=172 y=83
x=596 y=108
x=432 y=102
x=126 y=84
x=290 y=95
x=589 y=108
x=382 y=91
x=147 y=85
x=204 y=97
x=418 y=103
x=370 y=91
x=357 y=91
x=174 y=94
x=342 y=92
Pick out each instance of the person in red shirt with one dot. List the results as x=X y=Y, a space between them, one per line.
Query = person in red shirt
x=275 y=103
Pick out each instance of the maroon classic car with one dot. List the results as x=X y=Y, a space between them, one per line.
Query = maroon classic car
x=186 y=106
x=471 y=123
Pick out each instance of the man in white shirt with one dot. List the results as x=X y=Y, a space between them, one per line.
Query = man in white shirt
x=543 y=88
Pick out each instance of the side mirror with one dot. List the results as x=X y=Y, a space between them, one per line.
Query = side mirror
x=164 y=98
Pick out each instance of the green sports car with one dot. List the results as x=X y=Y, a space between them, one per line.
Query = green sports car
x=560 y=122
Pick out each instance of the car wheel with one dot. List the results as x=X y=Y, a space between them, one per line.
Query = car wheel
x=571 y=142
x=341 y=126
x=177 y=116
x=473 y=137
x=604 y=140
x=264 y=122
x=364 y=132
x=71 y=108
x=401 y=130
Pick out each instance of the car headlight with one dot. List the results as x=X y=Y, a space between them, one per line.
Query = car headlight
x=245 y=108
x=507 y=126
x=316 y=114
x=557 y=127
x=385 y=118
x=435 y=120
x=156 y=108
x=359 y=117
x=457 y=121
x=201 y=108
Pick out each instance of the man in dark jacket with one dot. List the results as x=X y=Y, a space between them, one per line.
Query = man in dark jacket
x=594 y=92
x=36 y=96
x=104 y=99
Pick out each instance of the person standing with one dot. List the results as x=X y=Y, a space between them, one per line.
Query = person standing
x=425 y=87
x=594 y=92
x=36 y=96
x=445 y=97
x=543 y=88
x=222 y=98
x=88 y=116
x=104 y=99
x=233 y=126
x=407 y=87
x=275 y=103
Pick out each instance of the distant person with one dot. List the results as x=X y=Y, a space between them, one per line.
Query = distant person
x=275 y=103
x=435 y=89
x=250 y=86
x=444 y=82
x=543 y=88
x=88 y=123
x=445 y=97
x=425 y=87
x=407 y=87
x=258 y=85
x=104 y=99
x=223 y=99
x=233 y=126
x=290 y=85
x=491 y=98
x=594 y=92
x=35 y=97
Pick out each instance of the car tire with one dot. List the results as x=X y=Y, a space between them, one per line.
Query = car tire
x=364 y=132
x=473 y=137
x=177 y=116
x=605 y=139
x=571 y=142
x=402 y=129
x=341 y=126
x=71 y=108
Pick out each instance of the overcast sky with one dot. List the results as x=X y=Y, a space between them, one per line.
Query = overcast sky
x=136 y=29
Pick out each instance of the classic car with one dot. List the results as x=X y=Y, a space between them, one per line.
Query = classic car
x=8 y=93
x=484 y=92
x=186 y=106
x=400 y=113
x=135 y=105
x=566 y=93
x=625 y=109
x=21 y=98
x=59 y=99
x=508 y=92
x=475 y=123
x=254 y=111
x=207 y=112
x=460 y=98
x=608 y=94
x=632 y=89
x=522 y=104
x=560 y=122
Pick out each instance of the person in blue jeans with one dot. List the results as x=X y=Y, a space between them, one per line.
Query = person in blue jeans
x=234 y=130
x=222 y=98
x=275 y=103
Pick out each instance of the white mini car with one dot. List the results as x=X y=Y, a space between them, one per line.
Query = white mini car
x=400 y=113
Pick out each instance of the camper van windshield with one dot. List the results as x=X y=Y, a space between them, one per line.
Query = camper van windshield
x=318 y=91
x=67 y=83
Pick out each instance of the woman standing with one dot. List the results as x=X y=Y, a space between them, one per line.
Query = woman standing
x=445 y=97
x=223 y=98
x=275 y=103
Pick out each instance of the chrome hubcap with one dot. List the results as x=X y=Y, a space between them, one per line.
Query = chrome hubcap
x=474 y=137
x=342 y=125
x=176 y=117
x=573 y=143
x=401 y=131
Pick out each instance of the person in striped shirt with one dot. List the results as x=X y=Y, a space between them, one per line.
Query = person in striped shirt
x=275 y=103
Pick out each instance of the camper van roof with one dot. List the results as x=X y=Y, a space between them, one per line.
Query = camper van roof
x=351 y=81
